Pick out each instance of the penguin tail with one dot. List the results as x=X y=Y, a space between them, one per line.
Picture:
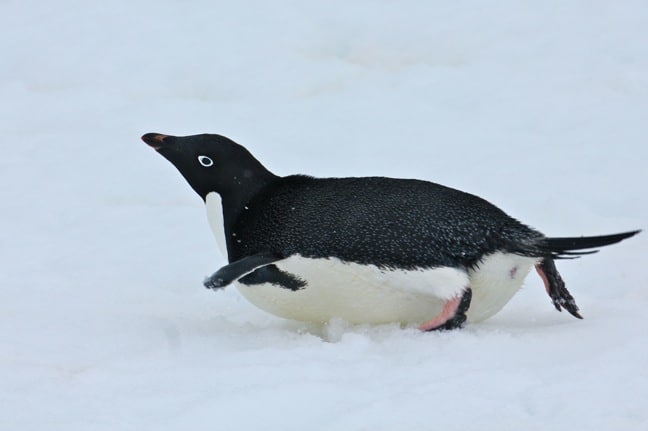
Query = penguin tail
x=573 y=247
x=549 y=249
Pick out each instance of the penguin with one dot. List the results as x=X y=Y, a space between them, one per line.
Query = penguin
x=365 y=249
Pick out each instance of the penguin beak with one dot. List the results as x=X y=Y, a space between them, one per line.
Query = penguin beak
x=158 y=141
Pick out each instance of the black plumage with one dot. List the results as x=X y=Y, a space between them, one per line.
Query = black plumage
x=393 y=223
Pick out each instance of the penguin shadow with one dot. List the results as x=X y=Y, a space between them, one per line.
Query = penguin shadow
x=337 y=330
x=517 y=322
x=270 y=328
x=252 y=328
x=230 y=332
x=510 y=324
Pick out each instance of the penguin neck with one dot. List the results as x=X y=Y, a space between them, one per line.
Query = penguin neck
x=224 y=207
x=237 y=198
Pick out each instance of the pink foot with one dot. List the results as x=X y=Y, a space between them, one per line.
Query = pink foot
x=453 y=314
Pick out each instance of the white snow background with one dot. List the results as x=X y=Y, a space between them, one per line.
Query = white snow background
x=539 y=107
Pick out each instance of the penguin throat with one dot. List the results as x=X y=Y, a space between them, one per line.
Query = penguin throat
x=215 y=217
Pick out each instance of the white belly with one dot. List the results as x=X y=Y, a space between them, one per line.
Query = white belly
x=368 y=294
x=494 y=282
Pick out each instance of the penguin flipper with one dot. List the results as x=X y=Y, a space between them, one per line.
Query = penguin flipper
x=240 y=268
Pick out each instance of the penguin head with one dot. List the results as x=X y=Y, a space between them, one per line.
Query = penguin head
x=211 y=163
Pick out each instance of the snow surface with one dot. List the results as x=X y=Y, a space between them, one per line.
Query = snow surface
x=540 y=107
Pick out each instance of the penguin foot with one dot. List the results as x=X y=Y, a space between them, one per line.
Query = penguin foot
x=453 y=314
x=555 y=287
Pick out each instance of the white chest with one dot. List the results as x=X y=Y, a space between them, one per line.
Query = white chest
x=214 y=207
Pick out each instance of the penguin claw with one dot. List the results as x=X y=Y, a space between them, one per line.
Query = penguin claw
x=453 y=315
x=556 y=289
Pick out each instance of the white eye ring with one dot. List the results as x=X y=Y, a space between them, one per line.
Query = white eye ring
x=205 y=161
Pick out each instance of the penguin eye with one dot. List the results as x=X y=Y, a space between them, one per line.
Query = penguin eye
x=205 y=161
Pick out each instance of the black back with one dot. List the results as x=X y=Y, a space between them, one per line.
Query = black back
x=393 y=223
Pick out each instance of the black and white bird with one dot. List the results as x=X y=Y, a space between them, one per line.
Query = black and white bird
x=366 y=250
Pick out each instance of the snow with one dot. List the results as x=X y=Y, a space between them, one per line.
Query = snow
x=540 y=107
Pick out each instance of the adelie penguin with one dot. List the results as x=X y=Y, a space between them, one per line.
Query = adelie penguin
x=367 y=250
